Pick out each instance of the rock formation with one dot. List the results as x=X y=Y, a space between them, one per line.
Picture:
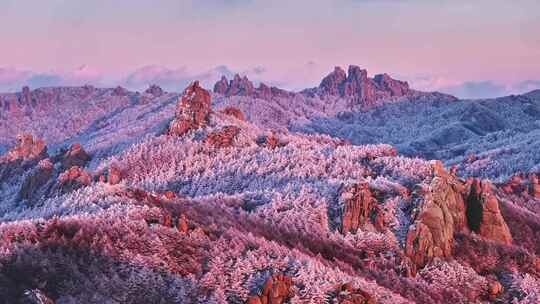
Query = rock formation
x=347 y=294
x=270 y=141
x=483 y=213
x=242 y=86
x=359 y=207
x=73 y=179
x=234 y=112
x=446 y=206
x=75 y=156
x=358 y=86
x=276 y=290
x=27 y=148
x=534 y=186
x=154 y=90
x=38 y=178
x=193 y=110
x=223 y=138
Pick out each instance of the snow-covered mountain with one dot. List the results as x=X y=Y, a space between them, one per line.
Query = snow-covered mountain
x=232 y=197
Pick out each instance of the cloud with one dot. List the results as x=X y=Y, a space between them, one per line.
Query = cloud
x=477 y=89
x=12 y=79
x=471 y=89
x=173 y=79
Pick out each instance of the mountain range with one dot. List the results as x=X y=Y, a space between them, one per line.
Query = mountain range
x=359 y=190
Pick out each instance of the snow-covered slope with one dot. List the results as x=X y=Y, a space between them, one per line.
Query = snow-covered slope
x=228 y=212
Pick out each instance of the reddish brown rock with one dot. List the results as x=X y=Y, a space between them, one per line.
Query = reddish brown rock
x=183 y=224
x=366 y=91
x=234 y=112
x=534 y=186
x=193 y=110
x=75 y=156
x=270 y=141
x=223 y=138
x=332 y=84
x=27 y=148
x=276 y=290
x=73 y=179
x=440 y=213
x=359 y=207
x=120 y=91
x=483 y=213
x=347 y=294
x=242 y=86
x=494 y=289
x=115 y=175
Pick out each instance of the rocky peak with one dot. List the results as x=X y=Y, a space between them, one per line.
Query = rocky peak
x=154 y=90
x=242 y=86
x=332 y=83
x=222 y=86
x=357 y=85
x=193 y=110
x=238 y=86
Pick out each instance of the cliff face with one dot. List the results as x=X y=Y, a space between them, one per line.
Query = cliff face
x=448 y=206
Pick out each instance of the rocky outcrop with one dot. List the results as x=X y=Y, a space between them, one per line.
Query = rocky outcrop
x=440 y=212
x=242 y=86
x=359 y=207
x=27 y=152
x=276 y=290
x=446 y=206
x=333 y=82
x=534 y=186
x=347 y=294
x=27 y=147
x=115 y=175
x=154 y=90
x=223 y=138
x=270 y=141
x=483 y=213
x=75 y=156
x=38 y=178
x=520 y=184
x=193 y=110
x=73 y=179
x=234 y=112
x=357 y=85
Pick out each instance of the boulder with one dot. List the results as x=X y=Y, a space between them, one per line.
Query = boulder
x=534 y=186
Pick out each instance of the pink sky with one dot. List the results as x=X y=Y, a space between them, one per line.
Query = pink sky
x=494 y=45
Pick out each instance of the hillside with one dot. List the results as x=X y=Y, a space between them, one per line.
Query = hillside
x=203 y=206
